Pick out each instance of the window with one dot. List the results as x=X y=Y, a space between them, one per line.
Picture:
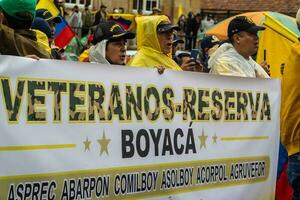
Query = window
x=145 y=5
x=151 y=4
x=80 y=3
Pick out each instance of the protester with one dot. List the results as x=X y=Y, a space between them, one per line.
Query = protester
x=41 y=25
x=101 y=15
x=196 y=24
x=234 y=58
x=190 y=22
x=209 y=45
x=182 y=22
x=86 y=20
x=109 y=44
x=290 y=114
x=181 y=57
x=116 y=11
x=156 y=11
x=176 y=41
x=43 y=32
x=16 y=37
x=75 y=20
x=60 y=4
x=155 y=36
x=52 y=21
x=140 y=12
x=182 y=25
x=184 y=59
x=121 y=10
x=207 y=22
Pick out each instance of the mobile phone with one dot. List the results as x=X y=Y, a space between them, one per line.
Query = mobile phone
x=194 y=54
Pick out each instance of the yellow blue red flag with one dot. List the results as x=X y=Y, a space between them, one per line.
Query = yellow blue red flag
x=49 y=5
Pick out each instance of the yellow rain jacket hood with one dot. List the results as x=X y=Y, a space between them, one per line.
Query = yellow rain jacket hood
x=149 y=52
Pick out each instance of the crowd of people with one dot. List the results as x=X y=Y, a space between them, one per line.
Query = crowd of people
x=25 y=31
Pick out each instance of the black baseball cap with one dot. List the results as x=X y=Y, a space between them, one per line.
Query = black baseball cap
x=46 y=15
x=209 y=42
x=111 y=30
x=177 y=40
x=242 y=23
x=166 y=26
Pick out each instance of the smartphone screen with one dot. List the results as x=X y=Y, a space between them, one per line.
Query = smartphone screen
x=194 y=54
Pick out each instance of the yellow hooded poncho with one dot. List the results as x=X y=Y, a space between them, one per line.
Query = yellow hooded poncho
x=149 y=52
x=42 y=40
x=290 y=103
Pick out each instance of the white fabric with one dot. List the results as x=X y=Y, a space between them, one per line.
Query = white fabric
x=97 y=53
x=298 y=16
x=75 y=22
x=227 y=61
x=207 y=24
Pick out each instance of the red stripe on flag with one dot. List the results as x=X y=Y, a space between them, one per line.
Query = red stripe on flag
x=64 y=37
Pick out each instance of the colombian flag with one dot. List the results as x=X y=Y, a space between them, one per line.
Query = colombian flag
x=125 y=20
x=49 y=5
x=63 y=32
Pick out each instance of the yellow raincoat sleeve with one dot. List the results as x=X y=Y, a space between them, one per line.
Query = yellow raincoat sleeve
x=290 y=103
x=149 y=52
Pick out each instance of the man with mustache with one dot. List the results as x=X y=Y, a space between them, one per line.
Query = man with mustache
x=234 y=58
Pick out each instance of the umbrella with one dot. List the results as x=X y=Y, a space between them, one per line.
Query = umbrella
x=274 y=43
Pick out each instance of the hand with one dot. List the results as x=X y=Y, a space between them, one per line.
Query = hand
x=266 y=67
x=191 y=65
x=32 y=56
x=160 y=69
x=198 y=66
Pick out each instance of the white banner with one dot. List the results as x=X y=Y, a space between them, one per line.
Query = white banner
x=85 y=131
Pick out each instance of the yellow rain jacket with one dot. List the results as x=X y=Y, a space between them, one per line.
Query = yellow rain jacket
x=42 y=40
x=149 y=52
x=290 y=103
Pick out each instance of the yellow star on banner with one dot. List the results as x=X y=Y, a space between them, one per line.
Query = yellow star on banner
x=202 y=139
x=215 y=139
x=103 y=142
x=87 y=144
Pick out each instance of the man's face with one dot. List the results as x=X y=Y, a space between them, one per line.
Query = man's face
x=248 y=41
x=116 y=52
x=165 y=41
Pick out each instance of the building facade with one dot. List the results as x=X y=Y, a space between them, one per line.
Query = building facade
x=171 y=8
x=232 y=7
x=174 y=8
